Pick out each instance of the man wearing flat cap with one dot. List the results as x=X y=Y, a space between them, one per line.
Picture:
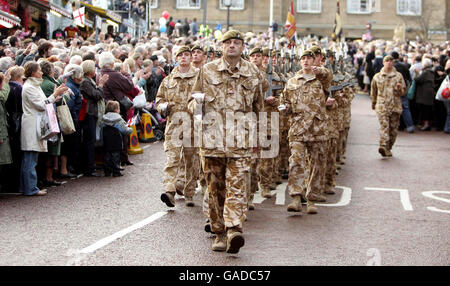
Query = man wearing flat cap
x=172 y=100
x=387 y=89
x=305 y=102
x=229 y=92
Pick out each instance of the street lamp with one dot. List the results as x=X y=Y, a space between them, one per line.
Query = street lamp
x=228 y=3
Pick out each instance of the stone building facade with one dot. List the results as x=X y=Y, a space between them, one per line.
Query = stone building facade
x=317 y=16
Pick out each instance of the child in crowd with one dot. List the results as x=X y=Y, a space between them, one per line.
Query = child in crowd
x=114 y=127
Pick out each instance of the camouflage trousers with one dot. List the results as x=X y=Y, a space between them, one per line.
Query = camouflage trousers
x=284 y=152
x=253 y=186
x=266 y=169
x=227 y=180
x=181 y=169
x=344 y=141
x=389 y=124
x=306 y=166
x=330 y=167
x=339 y=152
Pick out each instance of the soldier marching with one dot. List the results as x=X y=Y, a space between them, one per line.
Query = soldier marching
x=256 y=119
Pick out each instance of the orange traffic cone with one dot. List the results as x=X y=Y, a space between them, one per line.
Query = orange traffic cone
x=146 y=135
x=133 y=147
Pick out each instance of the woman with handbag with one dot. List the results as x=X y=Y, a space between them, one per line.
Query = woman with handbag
x=71 y=148
x=14 y=109
x=33 y=103
x=116 y=88
x=54 y=146
x=93 y=94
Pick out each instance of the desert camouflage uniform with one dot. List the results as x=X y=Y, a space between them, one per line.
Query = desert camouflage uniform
x=268 y=167
x=182 y=163
x=227 y=168
x=347 y=116
x=388 y=106
x=308 y=131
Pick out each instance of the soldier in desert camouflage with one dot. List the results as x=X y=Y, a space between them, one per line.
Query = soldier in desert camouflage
x=386 y=89
x=228 y=90
x=172 y=100
x=305 y=101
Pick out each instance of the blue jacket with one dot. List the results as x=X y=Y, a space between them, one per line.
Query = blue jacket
x=74 y=102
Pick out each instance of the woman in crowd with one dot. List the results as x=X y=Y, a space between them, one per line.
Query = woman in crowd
x=425 y=93
x=14 y=110
x=33 y=103
x=94 y=96
x=5 y=150
x=54 y=146
x=70 y=152
x=116 y=88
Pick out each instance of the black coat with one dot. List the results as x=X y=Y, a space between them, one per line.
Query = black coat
x=404 y=70
x=92 y=93
x=112 y=139
x=425 y=92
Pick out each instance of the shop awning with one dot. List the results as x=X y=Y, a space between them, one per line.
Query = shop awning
x=102 y=12
x=60 y=10
x=7 y=18
x=42 y=4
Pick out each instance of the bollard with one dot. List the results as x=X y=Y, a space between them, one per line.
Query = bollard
x=146 y=135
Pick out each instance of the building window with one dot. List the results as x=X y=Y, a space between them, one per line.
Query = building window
x=153 y=4
x=359 y=6
x=188 y=4
x=409 y=7
x=235 y=5
x=309 y=6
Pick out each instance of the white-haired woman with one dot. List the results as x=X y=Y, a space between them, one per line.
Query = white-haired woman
x=70 y=149
x=92 y=94
x=425 y=93
x=118 y=86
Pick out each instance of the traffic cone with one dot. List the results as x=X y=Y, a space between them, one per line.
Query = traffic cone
x=133 y=147
x=146 y=135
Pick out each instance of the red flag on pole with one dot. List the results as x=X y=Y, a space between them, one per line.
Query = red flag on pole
x=290 y=23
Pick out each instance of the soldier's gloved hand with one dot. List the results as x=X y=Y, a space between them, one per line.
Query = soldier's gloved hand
x=199 y=97
x=270 y=100
x=330 y=101
x=163 y=107
x=282 y=108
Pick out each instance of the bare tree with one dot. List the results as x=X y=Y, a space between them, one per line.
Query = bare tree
x=423 y=24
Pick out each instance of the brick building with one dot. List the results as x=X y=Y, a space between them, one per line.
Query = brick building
x=317 y=16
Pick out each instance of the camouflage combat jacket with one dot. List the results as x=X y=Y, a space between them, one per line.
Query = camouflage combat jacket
x=384 y=94
x=175 y=90
x=236 y=93
x=306 y=101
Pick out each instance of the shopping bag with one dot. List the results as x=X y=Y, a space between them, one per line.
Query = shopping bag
x=411 y=91
x=47 y=123
x=443 y=94
x=139 y=101
x=65 y=118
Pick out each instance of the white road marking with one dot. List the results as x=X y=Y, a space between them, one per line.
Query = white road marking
x=346 y=197
x=281 y=194
x=431 y=195
x=107 y=240
x=404 y=196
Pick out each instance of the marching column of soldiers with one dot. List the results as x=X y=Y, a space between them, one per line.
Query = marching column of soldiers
x=305 y=115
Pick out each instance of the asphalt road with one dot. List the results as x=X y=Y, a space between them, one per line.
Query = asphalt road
x=386 y=212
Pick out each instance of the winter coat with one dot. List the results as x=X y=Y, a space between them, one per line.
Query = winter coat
x=5 y=149
x=117 y=85
x=33 y=102
x=74 y=101
x=14 y=105
x=113 y=128
x=92 y=93
x=425 y=92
